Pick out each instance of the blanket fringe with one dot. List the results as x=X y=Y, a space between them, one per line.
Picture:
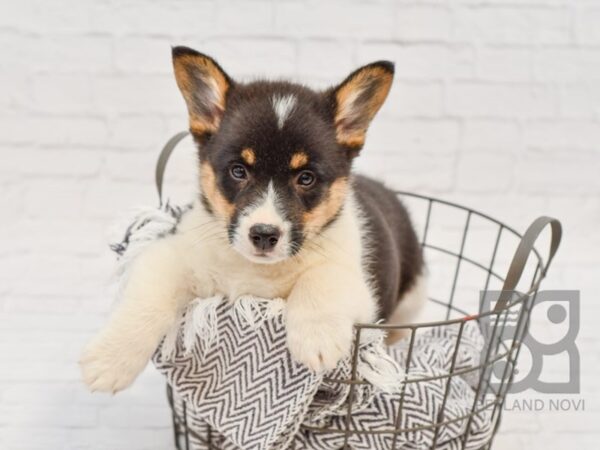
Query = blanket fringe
x=201 y=323
x=379 y=369
x=252 y=311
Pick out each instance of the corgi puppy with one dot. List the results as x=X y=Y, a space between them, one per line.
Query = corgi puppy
x=279 y=214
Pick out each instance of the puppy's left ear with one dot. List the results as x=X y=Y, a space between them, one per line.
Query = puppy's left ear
x=204 y=85
x=357 y=100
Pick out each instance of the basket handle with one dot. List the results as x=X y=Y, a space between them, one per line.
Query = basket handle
x=163 y=158
x=525 y=248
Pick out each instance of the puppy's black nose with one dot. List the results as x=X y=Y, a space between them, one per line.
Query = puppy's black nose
x=264 y=237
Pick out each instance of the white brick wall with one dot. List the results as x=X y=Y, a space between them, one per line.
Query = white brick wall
x=496 y=104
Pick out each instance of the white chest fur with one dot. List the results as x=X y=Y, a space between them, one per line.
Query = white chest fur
x=203 y=244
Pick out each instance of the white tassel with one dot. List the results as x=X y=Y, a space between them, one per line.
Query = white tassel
x=169 y=345
x=131 y=236
x=253 y=311
x=248 y=311
x=375 y=365
x=274 y=308
x=201 y=323
x=379 y=369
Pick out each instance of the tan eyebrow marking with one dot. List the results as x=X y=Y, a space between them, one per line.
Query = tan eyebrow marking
x=249 y=156
x=298 y=160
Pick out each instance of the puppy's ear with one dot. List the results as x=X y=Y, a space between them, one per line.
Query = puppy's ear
x=357 y=100
x=204 y=85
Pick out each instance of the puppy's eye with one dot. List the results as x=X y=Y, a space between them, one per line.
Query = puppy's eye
x=238 y=172
x=306 y=178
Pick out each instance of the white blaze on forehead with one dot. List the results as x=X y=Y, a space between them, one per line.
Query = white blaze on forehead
x=283 y=106
x=265 y=210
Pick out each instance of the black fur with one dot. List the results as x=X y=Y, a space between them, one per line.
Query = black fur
x=396 y=259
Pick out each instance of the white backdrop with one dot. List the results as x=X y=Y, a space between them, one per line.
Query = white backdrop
x=495 y=104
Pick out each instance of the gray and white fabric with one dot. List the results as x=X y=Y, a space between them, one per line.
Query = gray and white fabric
x=228 y=365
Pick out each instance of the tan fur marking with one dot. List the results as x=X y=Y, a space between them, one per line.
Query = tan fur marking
x=352 y=141
x=346 y=95
x=217 y=201
x=248 y=156
x=186 y=64
x=298 y=160
x=319 y=216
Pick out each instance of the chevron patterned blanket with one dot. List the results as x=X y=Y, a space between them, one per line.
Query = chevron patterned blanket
x=228 y=365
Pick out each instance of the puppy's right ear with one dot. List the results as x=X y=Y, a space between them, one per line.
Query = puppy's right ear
x=204 y=85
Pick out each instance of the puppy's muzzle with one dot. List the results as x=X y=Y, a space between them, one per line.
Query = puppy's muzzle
x=264 y=237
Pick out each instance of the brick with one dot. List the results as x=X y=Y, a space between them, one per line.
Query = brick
x=62 y=93
x=63 y=54
x=108 y=199
x=425 y=173
x=567 y=66
x=119 y=166
x=499 y=135
x=504 y=24
x=564 y=175
x=137 y=54
x=142 y=132
x=67 y=17
x=350 y=19
x=120 y=439
x=563 y=135
x=315 y=57
x=412 y=61
x=55 y=132
x=485 y=171
x=421 y=61
x=143 y=416
x=557 y=65
x=408 y=99
x=59 y=199
x=11 y=198
x=504 y=64
x=177 y=20
x=245 y=18
x=16 y=129
x=501 y=100
x=76 y=238
x=552 y=25
x=422 y=23
x=136 y=94
x=586 y=24
x=15 y=90
x=70 y=131
x=50 y=162
x=252 y=58
x=579 y=100
x=57 y=416
x=414 y=136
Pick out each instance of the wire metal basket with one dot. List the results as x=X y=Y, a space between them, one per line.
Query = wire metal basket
x=468 y=254
x=527 y=268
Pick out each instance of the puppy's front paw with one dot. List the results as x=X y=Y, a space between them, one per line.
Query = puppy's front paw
x=110 y=365
x=319 y=344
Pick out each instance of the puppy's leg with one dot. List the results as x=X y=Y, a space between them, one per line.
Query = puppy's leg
x=321 y=310
x=155 y=291
x=409 y=310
